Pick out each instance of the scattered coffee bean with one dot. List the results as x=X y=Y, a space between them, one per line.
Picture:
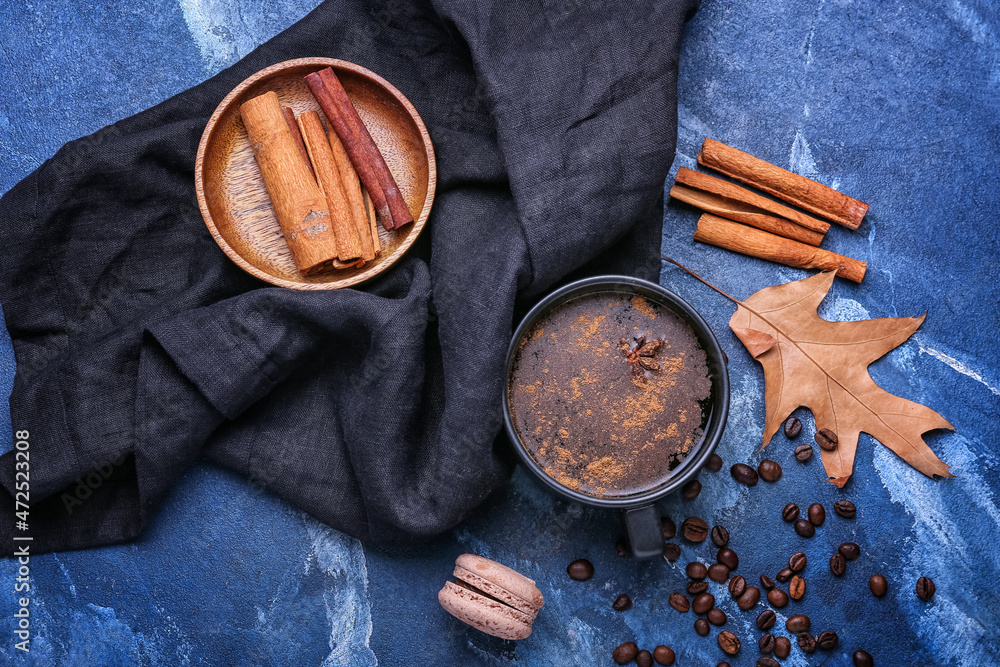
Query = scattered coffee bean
x=878 y=585
x=621 y=547
x=797 y=562
x=797 y=623
x=845 y=508
x=720 y=536
x=729 y=643
x=805 y=528
x=766 y=643
x=679 y=602
x=668 y=528
x=766 y=582
x=622 y=602
x=765 y=620
x=925 y=588
x=728 y=557
x=782 y=647
x=625 y=653
x=716 y=616
x=691 y=490
x=644 y=659
x=714 y=463
x=718 y=572
x=769 y=470
x=817 y=514
x=767 y=661
x=806 y=642
x=696 y=570
x=790 y=512
x=863 y=659
x=797 y=587
x=777 y=597
x=744 y=474
x=671 y=551
x=827 y=439
x=694 y=529
x=749 y=599
x=722 y=664
x=793 y=426
x=827 y=640
x=838 y=564
x=783 y=575
x=701 y=627
x=664 y=655
x=849 y=550
x=580 y=570
x=702 y=603
x=803 y=453
x=695 y=587
x=737 y=585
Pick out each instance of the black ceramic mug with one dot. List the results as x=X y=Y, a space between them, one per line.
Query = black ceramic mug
x=639 y=511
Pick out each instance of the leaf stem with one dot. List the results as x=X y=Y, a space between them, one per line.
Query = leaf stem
x=695 y=275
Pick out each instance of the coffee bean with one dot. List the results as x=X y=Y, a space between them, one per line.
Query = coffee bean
x=671 y=551
x=694 y=529
x=769 y=470
x=718 y=572
x=679 y=602
x=845 y=508
x=722 y=664
x=766 y=643
x=716 y=616
x=695 y=587
x=737 y=585
x=644 y=659
x=625 y=653
x=838 y=564
x=744 y=474
x=878 y=585
x=720 y=536
x=797 y=562
x=803 y=453
x=925 y=588
x=767 y=661
x=806 y=642
x=849 y=550
x=827 y=439
x=863 y=659
x=691 y=490
x=782 y=647
x=728 y=557
x=703 y=602
x=749 y=598
x=783 y=575
x=621 y=547
x=766 y=582
x=797 y=623
x=765 y=620
x=714 y=463
x=827 y=640
x=664 y=655
x=793 y=426
x=622 y=602
x=817 y=514
x=777 y=597
x=729 y=642
x=805 y=528
x=790 y=512
x=668 y=528
x=797 y=588
x=581 y=569
x=696 y=570
x=701 y=627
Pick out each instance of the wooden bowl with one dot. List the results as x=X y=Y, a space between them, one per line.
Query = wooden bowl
x=231 y=192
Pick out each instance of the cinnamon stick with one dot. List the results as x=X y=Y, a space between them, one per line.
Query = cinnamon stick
x=299 y=204
x=798 y=190
x=365 y=156
x=735 y=203
x=293 y=127
x=370 y=210
x=739 y=238
x=352 y=191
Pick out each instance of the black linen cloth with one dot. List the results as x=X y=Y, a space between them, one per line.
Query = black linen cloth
x=140 y=346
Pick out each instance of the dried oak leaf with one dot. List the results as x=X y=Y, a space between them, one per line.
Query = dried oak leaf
x=822 y=365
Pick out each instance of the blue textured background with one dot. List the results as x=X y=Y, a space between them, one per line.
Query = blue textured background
x=893 y=102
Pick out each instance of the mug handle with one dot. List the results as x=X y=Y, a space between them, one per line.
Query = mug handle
x=645 y=535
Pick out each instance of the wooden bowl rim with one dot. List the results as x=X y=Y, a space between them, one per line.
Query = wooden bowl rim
x=319 y=63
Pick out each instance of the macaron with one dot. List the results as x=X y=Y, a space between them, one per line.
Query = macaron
x=492 y=597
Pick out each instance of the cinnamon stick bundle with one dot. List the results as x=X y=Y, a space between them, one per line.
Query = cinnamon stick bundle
x=299 y=204
x=756 y=243
x=735 y=203
x=798 y=190
x=355 y=199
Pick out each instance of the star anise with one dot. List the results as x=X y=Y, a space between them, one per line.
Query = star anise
x=639 y=353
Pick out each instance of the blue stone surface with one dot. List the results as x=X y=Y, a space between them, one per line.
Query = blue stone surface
x=895 y=103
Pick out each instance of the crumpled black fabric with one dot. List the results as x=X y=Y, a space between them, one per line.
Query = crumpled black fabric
x=141 y=347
